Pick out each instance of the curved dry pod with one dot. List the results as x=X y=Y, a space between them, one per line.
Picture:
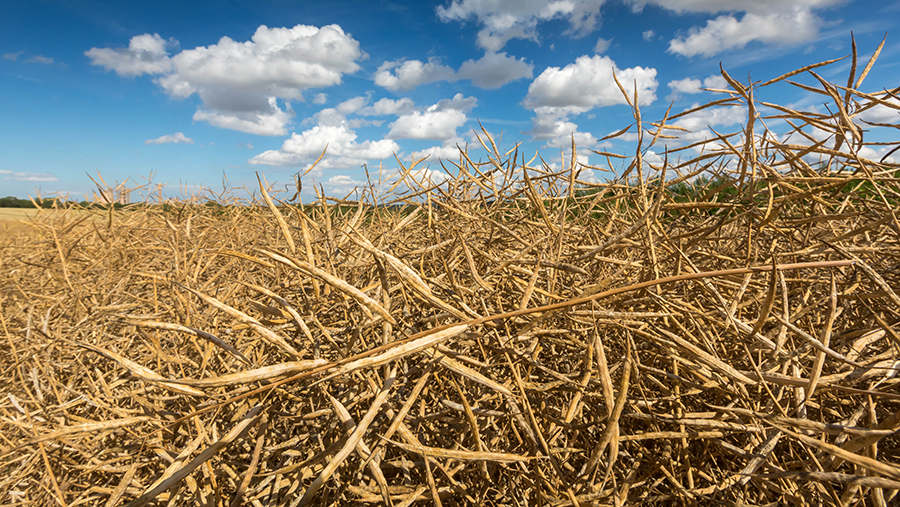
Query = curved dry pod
x=245 y=377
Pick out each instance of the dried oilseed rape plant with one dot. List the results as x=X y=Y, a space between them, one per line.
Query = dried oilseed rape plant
x=714 y=324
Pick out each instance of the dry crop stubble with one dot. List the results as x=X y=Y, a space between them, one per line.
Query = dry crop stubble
x=718 y=328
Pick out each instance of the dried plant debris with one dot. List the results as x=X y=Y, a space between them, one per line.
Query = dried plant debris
x=716 y=325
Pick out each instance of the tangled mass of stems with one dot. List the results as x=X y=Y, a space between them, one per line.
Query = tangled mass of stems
x=715 y=325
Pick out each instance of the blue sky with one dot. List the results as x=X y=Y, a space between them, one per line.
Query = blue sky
x=191 y=91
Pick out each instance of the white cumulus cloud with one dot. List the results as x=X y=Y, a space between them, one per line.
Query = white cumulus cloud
x=271 y=122
x=552 y=125
x=447 y=150
x=240 y=83
x=338 y=115
x=352 y=105
x=690 y=86
x=385 y=107
x=779 y=22
x=145 y=54
x=602 y=45
x=502 y=20
x=283 y=61
x=492 y=70
x=438 y=121
x=588 y=83
x=715 y=81
x=459 y=102
x=427 y=125
x=329 y=116
x=404 y=76
x=176 y=138
x=686 y=85
x=726 y=32
x=714 y=6
x=343 y=148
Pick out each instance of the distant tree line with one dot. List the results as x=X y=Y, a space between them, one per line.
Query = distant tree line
x=49 y=203
x=14 y=202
